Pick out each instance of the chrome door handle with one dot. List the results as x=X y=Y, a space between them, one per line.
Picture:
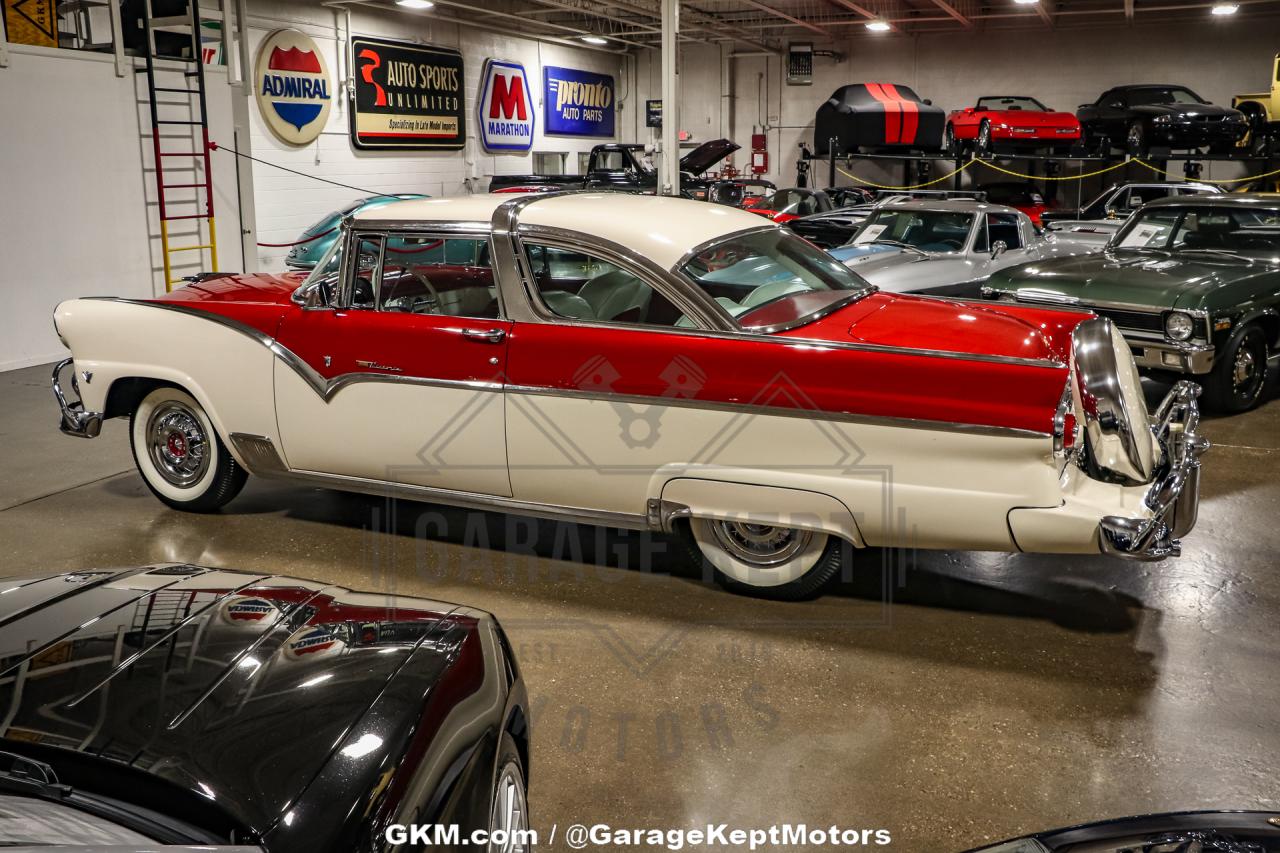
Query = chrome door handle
x=486 y=336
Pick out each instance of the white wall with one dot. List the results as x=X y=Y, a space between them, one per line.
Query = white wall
x=286 y=204
x=77 y=197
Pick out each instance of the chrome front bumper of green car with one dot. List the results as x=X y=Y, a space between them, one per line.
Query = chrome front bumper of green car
x=1151 y=354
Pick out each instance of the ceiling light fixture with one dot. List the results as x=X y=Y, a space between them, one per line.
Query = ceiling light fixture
x=415 y=4
x=878 y=26
x=594 y=39
x=1225 y=9
x=1026 y=2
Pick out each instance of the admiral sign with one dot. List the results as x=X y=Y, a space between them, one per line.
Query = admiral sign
x=506 y=107
x=578 y=103
x=406 y=96
x=292 y=86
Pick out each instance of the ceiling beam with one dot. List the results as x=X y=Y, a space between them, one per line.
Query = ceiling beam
x=954 y=12
x=778 y=13
x=864 y=12
x=1128 y=10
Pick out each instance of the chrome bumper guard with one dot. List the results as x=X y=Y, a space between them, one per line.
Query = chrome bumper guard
x=75 y=420
x=1174 y=497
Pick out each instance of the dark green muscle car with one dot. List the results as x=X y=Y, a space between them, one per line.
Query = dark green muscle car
x=1192 y=282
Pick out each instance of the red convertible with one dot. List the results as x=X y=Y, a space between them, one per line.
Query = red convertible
x=1009 y=121
x=643 y=362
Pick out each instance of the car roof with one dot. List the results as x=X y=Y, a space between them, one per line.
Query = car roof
x=671 y=226
x=1217 y=200
x=950 y=205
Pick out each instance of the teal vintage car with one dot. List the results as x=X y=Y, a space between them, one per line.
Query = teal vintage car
x=1193 y=282
x=326 y=232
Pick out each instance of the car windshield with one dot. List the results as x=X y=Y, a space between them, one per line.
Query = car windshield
x=1247 y=231
x=1163 y=95
x=790 y=201
x=327 y=270
x=1028 y=104
x=927 y=230
x=772 y=278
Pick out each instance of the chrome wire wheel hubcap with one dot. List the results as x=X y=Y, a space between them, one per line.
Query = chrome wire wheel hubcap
x=984 y=137
x=510 y=816
x=177 y=444
x=760 y=544
x=1135 y=136
x=1242 y=372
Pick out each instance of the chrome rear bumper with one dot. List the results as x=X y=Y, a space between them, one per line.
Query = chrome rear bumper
x=1174 y=497
x=75 y=420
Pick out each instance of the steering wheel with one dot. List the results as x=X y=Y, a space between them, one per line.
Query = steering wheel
x=433 y=295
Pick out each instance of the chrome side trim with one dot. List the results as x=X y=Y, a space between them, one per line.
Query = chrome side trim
x=663 y=514
x=845 y=301
x=324 y=388
x=465 y=500
x=777 y=411
x=258 y=453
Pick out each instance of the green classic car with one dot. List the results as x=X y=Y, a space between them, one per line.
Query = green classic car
x=1193 y=282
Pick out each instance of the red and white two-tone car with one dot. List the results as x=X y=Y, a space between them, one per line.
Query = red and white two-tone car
x=643 y=362
x=1014 y=121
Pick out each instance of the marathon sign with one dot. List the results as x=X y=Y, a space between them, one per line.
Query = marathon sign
x=578 y=103
x=406 y=96
x=505 y=108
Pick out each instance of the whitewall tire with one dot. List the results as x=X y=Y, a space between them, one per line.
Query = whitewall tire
x=765 y=561
x=179 y=454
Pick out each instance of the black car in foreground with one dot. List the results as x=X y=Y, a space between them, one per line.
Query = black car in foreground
x=188 y=706
x=1135 y=118
x=1178 y=832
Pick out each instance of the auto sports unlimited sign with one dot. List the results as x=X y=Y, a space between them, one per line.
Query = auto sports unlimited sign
x=407 y=96
x=292 y=86
x=505 y=107
x=578 y=103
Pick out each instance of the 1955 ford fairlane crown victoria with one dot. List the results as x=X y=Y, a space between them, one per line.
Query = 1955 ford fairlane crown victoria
x=643 y=362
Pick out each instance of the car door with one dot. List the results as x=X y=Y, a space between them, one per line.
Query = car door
x=1015 y=232
x=400 y=377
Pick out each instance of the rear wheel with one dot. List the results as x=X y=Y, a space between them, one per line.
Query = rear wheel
x=1237 y=380
x=766 y=561
x=983 y=145
x=179 y=454
x=951 y=145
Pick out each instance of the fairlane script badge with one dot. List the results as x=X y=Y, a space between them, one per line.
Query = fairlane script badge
x=292 y=86
x=407 y=96
x=506 y=107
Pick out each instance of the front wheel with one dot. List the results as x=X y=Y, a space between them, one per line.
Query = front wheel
x=509 y=810
x=766 y=561
x=984 y=143
x=1236 y=382
x=179 y=454
x=951 y=145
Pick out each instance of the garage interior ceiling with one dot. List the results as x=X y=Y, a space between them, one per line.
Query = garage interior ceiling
x=771 y=24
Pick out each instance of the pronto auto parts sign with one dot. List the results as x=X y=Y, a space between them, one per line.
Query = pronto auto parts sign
x=292 y=86
x=505 y=107
x=578 y=103
x=407 y=96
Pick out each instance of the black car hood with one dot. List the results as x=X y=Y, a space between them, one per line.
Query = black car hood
x=707 y=155
x=236 y=687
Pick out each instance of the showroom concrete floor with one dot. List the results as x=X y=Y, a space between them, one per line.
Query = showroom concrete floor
x=952 y=698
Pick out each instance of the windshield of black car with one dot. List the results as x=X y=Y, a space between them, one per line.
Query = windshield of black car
x=774 y=270
x=1245 y=230
x=1162 y=95
x=927 y=230
x=1027 y=104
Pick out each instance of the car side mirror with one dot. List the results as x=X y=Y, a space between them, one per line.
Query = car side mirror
x=998 y=248
x=312 y=297
x=1084 y=106
x=928 y=102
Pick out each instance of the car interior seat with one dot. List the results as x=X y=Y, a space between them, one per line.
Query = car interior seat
x=615 y=294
